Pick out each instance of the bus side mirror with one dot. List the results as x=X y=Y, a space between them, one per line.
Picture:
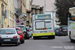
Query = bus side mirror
x=69 y=15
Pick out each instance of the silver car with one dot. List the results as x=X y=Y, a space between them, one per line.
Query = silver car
x=9 y=36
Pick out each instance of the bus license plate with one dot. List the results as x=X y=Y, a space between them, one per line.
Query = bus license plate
x=43 y=32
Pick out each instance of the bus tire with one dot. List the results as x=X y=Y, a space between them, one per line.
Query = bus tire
x=0 y=44
x=34 y=37
x=53 y=37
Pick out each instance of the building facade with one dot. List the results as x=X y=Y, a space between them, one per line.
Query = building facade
x=24 y=16
x=3 y=18
x=13 y=10
x=49 y=4
x=28 y=12
x=20 y=10
x=36 y=9
x=11 y=13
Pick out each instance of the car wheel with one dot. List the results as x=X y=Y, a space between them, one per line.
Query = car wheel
x=0 y=44
x=17 y=44
x=59 y=34
x=22 y=41
x=28 y=37
x=70 y=38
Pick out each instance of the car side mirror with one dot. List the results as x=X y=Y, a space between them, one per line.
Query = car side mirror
x=18 y=32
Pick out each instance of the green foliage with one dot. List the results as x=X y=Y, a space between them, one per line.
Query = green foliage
x=62 y=7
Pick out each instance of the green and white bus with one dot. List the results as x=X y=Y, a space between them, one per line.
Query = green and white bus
x=71 y=24
x=43 y=26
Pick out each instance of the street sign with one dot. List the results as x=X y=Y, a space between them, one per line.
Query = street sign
x=22 y=23
x=17 y=21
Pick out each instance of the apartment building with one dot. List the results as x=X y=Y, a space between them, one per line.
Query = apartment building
x=23 y=12
x=28 y=12
x=36 y=9
x=11 y=13
x=3 y=13
x=20 y=11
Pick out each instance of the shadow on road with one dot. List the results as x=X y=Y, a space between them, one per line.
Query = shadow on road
x=43 y=39
x=8 y=46
x=69 y=42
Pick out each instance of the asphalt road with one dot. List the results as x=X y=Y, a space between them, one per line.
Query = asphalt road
x=59 y=43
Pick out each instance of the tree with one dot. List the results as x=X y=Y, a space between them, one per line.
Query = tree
x=62 y=7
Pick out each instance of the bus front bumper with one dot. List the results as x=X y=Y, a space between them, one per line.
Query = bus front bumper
x=44 y=34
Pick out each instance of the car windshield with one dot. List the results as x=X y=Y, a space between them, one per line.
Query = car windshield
x=7 y=31
x=56 y=28
x=64 y=27
x=22 y=27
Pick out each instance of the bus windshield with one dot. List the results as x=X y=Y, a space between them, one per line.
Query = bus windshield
x=43 y=17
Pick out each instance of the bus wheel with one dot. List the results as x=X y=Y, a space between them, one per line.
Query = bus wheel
x=53 y=37
x=34 y=37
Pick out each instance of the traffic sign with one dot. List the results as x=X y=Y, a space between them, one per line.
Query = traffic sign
x=17 y=21
x=22 y=23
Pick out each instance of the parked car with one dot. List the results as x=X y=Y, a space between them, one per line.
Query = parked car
x=9 y=36
x=56 y=31
x=30 y=32
x=23 y=29
x=63 y=30
x=20 y=34
x=27 y=35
